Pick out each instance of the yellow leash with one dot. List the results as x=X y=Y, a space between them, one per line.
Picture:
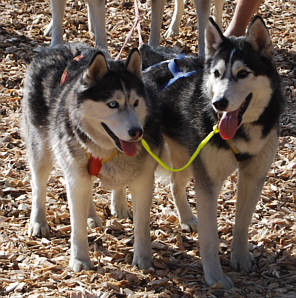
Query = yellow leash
x=192 y=158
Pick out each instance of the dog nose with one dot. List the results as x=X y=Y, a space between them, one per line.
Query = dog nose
x=135 y=132
x=221 y=103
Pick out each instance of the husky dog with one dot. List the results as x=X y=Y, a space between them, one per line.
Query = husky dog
x=240 y=86
x=88 y=114
x=96 y=20
x=84 y=106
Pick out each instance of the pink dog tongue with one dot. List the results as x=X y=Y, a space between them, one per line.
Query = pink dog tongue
x=228 y=125
x=129 y=148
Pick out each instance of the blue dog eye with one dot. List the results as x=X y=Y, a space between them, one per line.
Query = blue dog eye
x=113 y=104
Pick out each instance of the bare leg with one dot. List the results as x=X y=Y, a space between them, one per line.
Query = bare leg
x=243 y=12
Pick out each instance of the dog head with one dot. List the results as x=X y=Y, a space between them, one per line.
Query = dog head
x=112 y=102
x=237 y=79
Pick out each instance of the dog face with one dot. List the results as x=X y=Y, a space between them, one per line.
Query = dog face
x=113 y=109
x=238 y=87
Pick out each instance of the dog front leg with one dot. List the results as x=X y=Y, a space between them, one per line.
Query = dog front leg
x=78 y=185
x=207 y=191
x=40 y=162
x=156 y=21
x=96 y=14
x=57 y=8
x=203 y=12
x=142 y=190
x=252 y=174
x=176 y=20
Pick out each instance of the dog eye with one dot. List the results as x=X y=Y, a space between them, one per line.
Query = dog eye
x=136 y=103
x=216 y=74
x=242 y=74
x=113 y=104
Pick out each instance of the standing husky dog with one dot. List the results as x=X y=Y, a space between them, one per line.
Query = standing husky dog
x=89 y=105
x=241 y=86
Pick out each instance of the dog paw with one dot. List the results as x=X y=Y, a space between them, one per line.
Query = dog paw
x=77 y=265
x=189 y=225
x=221 y=281
x=242 y=261
x=93 y=222
x=121 y=212
x=39 y=229
x=142 y=262
x=171 y=32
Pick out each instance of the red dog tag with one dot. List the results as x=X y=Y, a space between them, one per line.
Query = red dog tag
x=94 y=166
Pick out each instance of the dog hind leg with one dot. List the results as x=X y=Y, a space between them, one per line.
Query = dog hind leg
x=119 y=206
x=178 y=156
x=187 y=220
x=251 y=179
x=93 y=220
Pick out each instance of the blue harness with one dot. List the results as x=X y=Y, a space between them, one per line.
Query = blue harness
x=175 y=71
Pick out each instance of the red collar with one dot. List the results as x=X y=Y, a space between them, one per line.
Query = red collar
x=65 y=73
x=95 y=163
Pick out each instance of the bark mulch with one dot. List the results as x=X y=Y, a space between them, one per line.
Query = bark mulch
x=31 y=267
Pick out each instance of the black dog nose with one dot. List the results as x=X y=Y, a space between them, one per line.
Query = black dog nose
x=135 y=132
x=221 y=103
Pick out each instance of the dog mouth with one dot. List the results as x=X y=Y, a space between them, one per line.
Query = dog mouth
x=230 y=121
x=129 y=148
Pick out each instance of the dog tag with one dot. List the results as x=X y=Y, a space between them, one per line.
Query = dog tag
x=94 y=166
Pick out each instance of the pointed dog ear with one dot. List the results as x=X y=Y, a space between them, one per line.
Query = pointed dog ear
x=96 y=69
x=258 y=37
x=134 y=63
x=213 y=38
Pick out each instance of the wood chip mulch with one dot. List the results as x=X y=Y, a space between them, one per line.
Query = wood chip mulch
x=31 y=267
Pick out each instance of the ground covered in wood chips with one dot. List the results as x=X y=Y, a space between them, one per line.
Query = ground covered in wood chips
x=38 y=267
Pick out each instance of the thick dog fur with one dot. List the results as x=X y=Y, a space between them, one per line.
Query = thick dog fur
x=61 y=122
x=78 y=103
x=96 y=19
x=239 y=82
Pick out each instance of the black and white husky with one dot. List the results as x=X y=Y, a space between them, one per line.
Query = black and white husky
x=74 y=108
x=88 y=114
x=240 y=86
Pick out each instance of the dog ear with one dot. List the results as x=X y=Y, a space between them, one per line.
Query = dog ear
x=258 y=37
x=213 y=38
x=97 y=68
x=134 y=63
